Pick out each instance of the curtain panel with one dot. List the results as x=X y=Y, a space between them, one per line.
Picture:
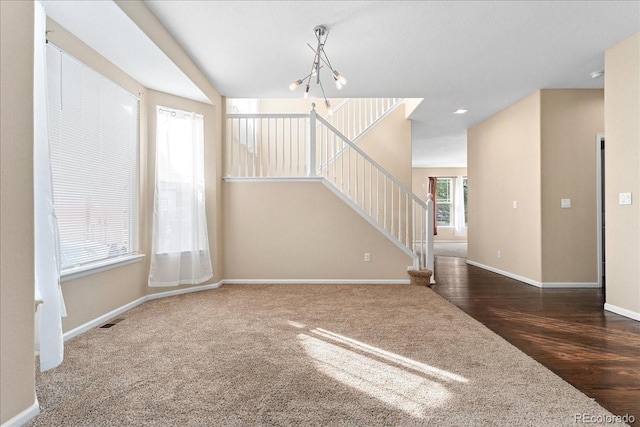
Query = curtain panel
x=180 y=243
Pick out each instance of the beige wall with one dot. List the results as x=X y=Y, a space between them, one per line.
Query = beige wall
x=503 y=166
x=537 y=152
x=420 y=177
x=389 y=144
x=622 y=173
x=16 y=210
x=282 y=230
x=570 y=120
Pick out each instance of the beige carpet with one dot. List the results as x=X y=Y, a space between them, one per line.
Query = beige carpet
x=297 y=355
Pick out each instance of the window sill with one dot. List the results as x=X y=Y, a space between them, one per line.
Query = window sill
x=97 y=267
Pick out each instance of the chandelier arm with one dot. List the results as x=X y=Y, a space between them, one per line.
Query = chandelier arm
x=323 y=94
x=310 y=74
x=321 y=58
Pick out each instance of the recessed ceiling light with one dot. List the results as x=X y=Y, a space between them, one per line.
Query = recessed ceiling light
x=460 y=111
x=597 y=74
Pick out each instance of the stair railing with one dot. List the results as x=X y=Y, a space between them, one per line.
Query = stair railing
x=284 y=145
x=355 y=116
x=378 y=194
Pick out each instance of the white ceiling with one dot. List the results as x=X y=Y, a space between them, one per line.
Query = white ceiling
x=480 y=55
x=108 y=30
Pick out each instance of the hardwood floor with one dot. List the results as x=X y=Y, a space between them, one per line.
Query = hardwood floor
x=566 y=330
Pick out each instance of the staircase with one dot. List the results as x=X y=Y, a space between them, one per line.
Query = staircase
x=262 y=146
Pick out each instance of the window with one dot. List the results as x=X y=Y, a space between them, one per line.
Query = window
x=180 y=211
x=180 y=246
x=443 y=202
x=93 y=128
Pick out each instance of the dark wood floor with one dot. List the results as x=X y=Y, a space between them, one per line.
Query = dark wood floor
x=567 y=331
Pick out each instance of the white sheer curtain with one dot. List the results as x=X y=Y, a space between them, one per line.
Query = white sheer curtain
x=459 y=227
x=49 y=339
x=180 y=250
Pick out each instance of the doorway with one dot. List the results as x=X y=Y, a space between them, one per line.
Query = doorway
x=601 y=217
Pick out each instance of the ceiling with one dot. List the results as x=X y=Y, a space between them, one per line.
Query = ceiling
x=478 y=55
x=108 y=30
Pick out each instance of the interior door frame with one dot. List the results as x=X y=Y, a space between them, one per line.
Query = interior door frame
x=599 y=205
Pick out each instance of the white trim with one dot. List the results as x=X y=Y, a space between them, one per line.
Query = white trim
x=570 y=285
x=23 y=417
x=275 y=179
x=506 y=273
x=113 y=313
x=182 y=291
x=537 y=284
x=622 y=311
x=317 y=281
x=97 y=267
x=599 y=138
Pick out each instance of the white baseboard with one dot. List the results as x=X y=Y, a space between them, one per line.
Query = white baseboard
x=23 y=417
x=318 y=281
x=622 y=311
x=571 y=285
x=183 y=291
x=113 y=313
x=545 y=285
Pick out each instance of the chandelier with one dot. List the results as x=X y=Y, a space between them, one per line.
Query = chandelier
x=321 y=34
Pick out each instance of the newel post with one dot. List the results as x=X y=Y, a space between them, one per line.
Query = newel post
x=429 y=233
x=311 y=142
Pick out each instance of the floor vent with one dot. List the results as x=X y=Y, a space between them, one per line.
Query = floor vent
x=112 y=322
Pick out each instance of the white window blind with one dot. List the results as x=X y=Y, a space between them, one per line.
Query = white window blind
x=94 y=136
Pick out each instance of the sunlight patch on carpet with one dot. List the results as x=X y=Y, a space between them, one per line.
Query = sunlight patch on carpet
x=397 y=387
x=392 y=357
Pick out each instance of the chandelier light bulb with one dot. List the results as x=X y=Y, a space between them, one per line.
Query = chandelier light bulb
x=315 y=70
x=329 y=109
x=339 y=78
x=293 y=86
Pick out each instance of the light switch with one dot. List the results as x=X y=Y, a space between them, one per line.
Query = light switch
x=515 y=204
x=624 y=198
x=565 y=203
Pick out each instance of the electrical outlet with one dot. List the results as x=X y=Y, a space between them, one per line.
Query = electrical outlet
x=367 y=257
x=499 y=254
x=624 y=198
x=565 y=203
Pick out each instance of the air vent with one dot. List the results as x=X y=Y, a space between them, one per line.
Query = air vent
x=112 y=322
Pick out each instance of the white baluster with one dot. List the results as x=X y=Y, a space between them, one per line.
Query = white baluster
x=312 y=142
x=406 y=220
x=393 y=208
x=385 y=202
